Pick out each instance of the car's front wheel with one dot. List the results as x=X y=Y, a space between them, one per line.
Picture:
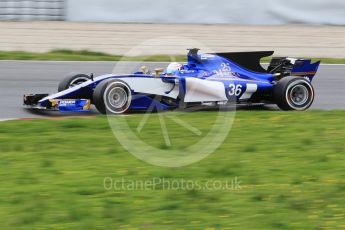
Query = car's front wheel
x=294 y=93
x=112 y=97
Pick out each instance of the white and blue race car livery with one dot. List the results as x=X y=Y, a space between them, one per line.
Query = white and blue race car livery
x=211 y=79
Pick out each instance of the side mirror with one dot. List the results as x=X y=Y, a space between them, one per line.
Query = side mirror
x=144 y=69
x=158 y=72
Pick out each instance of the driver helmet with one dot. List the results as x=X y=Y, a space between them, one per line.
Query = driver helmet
x=174 y=68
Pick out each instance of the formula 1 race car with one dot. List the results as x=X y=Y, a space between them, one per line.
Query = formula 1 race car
x=207 y=79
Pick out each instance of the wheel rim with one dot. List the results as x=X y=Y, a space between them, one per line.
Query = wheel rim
x=117 y=97
x=299 y=95
x=77 y=81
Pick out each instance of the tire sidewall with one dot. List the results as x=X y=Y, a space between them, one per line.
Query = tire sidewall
x=310 y=89
x=100 y=96
x=282 y=91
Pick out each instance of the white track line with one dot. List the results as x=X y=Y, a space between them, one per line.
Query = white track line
x=135 y=62
x=42 y=61
x=7 y=119
x=333 y=64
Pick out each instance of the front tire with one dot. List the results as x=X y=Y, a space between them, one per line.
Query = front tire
x=112 y=97
x=72 y=80
x=294 y=93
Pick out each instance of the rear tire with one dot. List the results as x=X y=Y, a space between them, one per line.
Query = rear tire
x=112 y=97
x=294 y=93
x=72 y=80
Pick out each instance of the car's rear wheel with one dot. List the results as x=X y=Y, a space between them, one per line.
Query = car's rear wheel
x=72 y=80
x=294 y=93
x=112 y=97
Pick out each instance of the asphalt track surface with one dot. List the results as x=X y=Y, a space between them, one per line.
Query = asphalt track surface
x=19 y=77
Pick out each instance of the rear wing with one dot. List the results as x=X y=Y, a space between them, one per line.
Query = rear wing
x=305 y=68
x=293 y=67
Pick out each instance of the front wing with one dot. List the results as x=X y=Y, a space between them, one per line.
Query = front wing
x=31 y=101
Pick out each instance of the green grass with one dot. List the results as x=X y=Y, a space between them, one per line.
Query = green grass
x=82 y=55
x=85 y=55
x=291 y=168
